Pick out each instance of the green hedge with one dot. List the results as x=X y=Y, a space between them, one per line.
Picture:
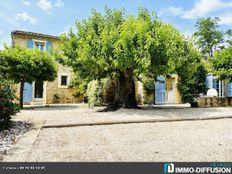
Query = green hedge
x=8 y=107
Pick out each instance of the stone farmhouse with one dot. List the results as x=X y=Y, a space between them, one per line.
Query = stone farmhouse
x=57 y=91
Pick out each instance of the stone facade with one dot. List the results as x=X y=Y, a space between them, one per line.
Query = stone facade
x=58 y=94
x=53 y=92
x=206 y=102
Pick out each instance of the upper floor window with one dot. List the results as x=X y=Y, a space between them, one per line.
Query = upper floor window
x=40 y=46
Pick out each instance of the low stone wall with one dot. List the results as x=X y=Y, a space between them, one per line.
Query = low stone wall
x=206 y=102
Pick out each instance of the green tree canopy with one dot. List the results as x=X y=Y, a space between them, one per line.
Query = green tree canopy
x=125 y=46
x=208 y=37
x=191 y=73
x=27 y=65
x=229 y=37
x=222 y=64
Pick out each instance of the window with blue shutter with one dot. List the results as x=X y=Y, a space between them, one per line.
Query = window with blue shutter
x=30 y=44
x=40 y=46
x=229 y=90
x=49 y=47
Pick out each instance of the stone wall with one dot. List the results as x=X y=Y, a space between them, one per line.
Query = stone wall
x=139 y=92
x=206 y=102
x=57 y=94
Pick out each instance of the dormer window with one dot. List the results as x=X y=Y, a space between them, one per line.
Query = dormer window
x=40 y=46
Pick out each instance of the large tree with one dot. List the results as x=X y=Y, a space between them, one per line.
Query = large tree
x=229 y=37
x=27 y=65
x=222 y=64
x=123 y=46
x=208 y=36
x=191 y=74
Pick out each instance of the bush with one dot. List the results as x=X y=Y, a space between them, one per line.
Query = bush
x=97 y=91
x=94 y=93
x=191 y=86
x=148 y=85
x=8 y=107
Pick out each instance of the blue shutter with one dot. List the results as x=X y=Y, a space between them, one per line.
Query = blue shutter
x=27 y=92
x=229 y=90
x=160 y=90
x=30 y=44
x=209 y=81
x=49 y=47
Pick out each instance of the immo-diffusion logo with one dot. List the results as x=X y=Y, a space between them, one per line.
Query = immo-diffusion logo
x=169 y=168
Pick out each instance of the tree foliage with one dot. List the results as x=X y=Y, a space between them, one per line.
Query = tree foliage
x=27 y=65
x=222 y=64
x=229 y=37
x=208 y=37
x=124 y=46
x=8 y=107
x=191 y=74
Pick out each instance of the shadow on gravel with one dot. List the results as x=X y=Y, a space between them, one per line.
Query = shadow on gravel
x=115 y=108
x=109 y=109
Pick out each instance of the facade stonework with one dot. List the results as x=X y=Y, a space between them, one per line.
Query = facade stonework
x=57 y=94
x=206 y=102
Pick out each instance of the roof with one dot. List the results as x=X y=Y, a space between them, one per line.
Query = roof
x=28 y=33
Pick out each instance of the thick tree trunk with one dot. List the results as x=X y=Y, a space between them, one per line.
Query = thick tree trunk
x=125 y=92
x=21 y=94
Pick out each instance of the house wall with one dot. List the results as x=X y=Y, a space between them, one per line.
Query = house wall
x=65 y=95
x=51 y=89
x=172 y=94
x=139 y=92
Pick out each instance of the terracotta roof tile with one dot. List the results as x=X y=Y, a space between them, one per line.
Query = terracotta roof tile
x=28 y=33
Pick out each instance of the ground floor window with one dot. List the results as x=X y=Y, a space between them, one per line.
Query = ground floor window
x=63 y=80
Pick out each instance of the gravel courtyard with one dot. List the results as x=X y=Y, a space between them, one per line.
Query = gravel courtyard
x=202 y=140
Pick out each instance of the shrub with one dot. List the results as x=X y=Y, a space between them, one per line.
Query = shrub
x=97 y=91
x=191 y=86
x=56 y=98
x=8 y=107
x=94 y=93
x=148 y=85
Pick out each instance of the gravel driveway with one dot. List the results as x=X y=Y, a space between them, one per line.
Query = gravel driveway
x=208 y=140
x=176 y=141
x=81 y=114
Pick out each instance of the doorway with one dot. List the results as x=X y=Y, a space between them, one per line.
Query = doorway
x=38 y=90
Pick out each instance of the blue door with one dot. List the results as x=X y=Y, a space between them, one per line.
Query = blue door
x=160 y=91
x=209 y=81
x=27 y=92
x=229 y=90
